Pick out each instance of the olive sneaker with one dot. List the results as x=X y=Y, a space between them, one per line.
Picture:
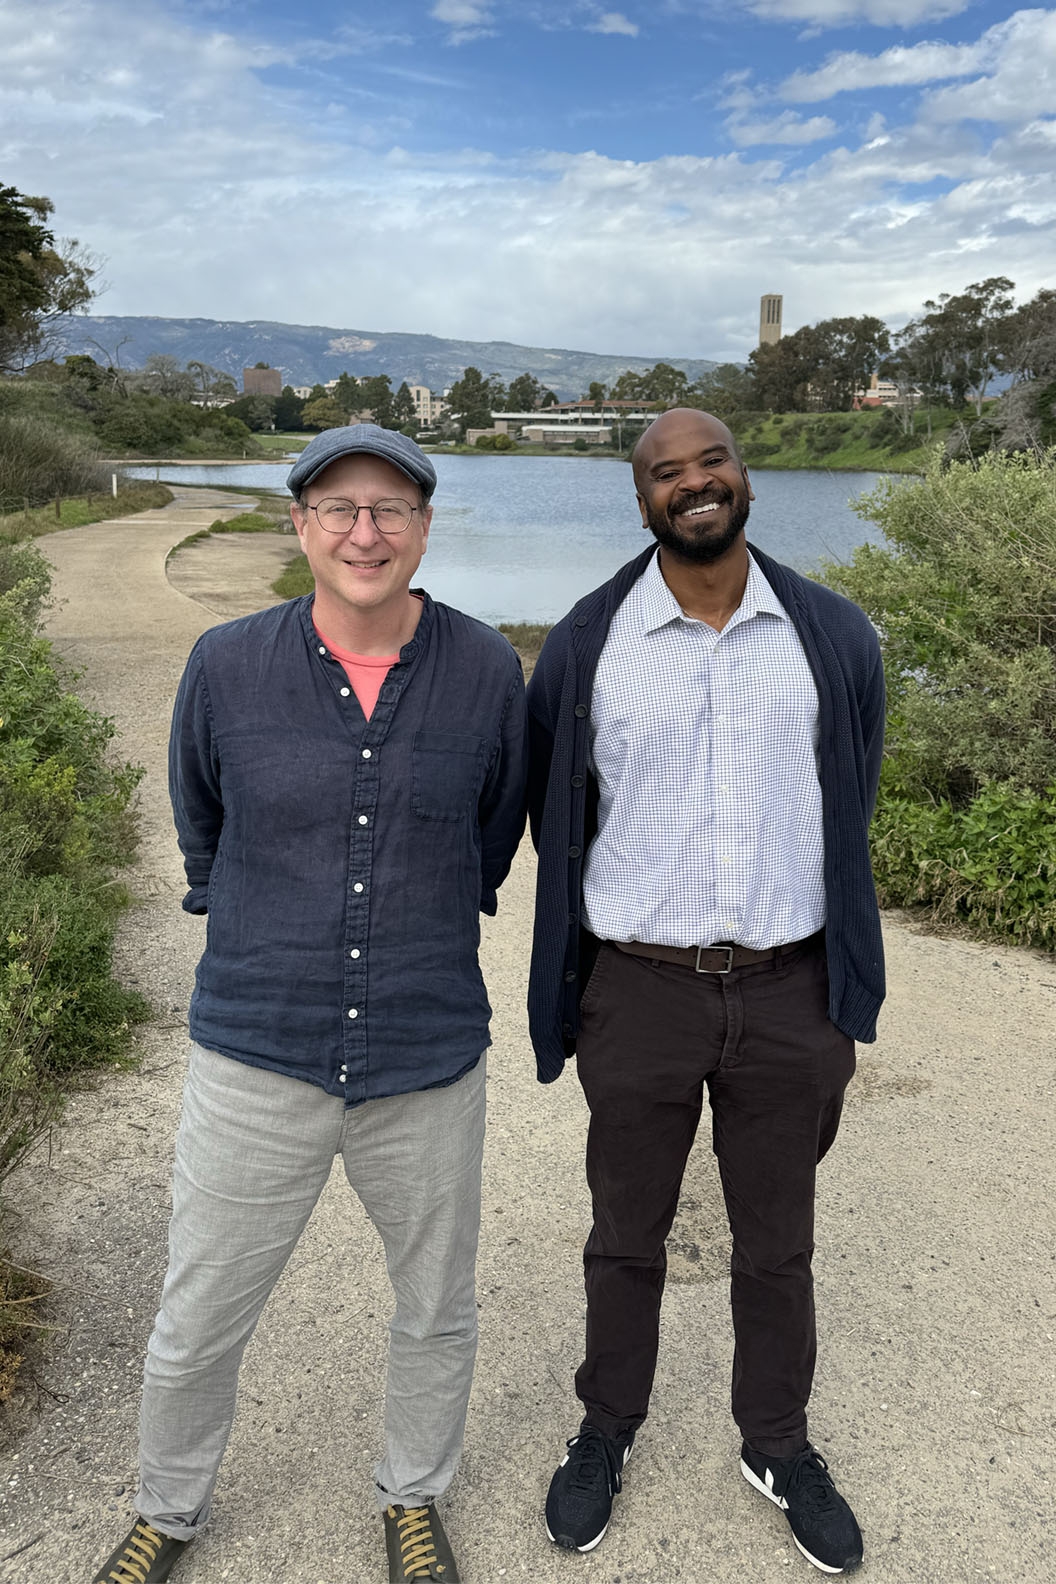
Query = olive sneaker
x=823 y=1525
x=589 y=1476
x=417 y=1546
x=144 y=1557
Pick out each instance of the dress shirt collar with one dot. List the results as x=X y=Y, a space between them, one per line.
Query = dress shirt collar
x=656 y=605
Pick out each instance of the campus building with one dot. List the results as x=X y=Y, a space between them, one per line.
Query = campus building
x=262 y=382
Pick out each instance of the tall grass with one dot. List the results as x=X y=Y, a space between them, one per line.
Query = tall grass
x=39 y=461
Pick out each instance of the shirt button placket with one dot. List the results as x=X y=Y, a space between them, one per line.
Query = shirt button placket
x=360 y=864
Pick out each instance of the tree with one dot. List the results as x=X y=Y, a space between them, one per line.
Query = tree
x=969 y=336
x=548 y=399
x=473 y=399
x=782 y=371
x=348 y=395
x=375 y=396
x=596 y=394
x=39 y=278
x=256 y=412
x=523 y=394
x=323 y=413
x=1030 y=345
x=288 y=409
x=663 y=383
x=161 y=375
x=849 y=351
x=403 y=414
x=212 y=386
x=726 y=391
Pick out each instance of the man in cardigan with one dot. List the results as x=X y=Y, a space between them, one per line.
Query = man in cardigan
x=706 y=733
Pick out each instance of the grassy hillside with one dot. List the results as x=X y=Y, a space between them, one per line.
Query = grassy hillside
x=870 y=440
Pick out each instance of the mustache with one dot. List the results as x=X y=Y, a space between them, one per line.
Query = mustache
x=716 y=494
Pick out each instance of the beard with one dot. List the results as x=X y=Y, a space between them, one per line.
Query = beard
x=702 y=547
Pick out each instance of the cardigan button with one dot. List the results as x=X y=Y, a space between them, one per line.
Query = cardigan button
x=574 y=852
x=571 y=976
x=578 y=781
x=581 y=710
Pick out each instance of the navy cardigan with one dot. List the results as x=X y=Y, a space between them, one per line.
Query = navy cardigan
x=844 y=656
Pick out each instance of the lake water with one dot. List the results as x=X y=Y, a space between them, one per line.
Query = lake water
x=521 y=538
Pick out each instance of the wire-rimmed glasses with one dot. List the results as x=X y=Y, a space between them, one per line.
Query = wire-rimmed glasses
x=337 y=516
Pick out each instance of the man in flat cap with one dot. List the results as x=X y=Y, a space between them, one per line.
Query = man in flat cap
x=347 y=778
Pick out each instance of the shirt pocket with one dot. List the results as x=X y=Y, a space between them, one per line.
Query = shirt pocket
x=447 y=773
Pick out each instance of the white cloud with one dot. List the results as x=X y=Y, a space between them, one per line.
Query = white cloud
x=842 y=13
x=1021 y=83
x=614 y=22
x=1024 y=42
x=206 y=191
x=785 y=128
x=898 y=67
x=468 y=19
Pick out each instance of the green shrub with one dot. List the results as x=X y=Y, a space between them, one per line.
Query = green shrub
x=990 y=865
x=39 y=460
x=65 y=826
x=964 y=598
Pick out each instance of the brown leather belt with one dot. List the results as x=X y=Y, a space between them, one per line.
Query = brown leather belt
x=718 y=959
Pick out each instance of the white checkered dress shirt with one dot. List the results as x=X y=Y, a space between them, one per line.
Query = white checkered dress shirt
x=705 y=749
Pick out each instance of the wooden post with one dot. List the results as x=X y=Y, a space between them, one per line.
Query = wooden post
x=58 y=508
x=113 y=484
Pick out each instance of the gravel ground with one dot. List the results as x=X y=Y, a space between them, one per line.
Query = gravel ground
x=935 y=1397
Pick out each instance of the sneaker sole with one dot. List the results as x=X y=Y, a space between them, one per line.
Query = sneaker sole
x=778 y=1501
x=565 y=1543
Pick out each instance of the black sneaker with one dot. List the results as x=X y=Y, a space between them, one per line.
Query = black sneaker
x=823 y=1525
x=417 y=1546
x=144 y=1557
x=579 y=1501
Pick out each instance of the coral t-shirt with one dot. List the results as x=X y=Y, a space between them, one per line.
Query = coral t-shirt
x=366 y=673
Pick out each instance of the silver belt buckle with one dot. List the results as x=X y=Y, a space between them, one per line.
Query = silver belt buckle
x=729 y=960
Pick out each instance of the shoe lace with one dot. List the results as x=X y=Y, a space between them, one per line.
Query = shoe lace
x=417 y=1545
x=590 y=1451
x=810 y=1477
x=136 y=1560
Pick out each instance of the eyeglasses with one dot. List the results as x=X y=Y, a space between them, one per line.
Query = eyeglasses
x=338 y=516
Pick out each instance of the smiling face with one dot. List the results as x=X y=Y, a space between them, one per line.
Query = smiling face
x=361 y=574
x=693 y=492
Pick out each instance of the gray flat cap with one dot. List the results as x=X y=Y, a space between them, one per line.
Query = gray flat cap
x=389 y=444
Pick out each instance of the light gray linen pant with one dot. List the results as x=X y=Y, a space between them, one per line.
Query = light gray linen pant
x=253 y=1152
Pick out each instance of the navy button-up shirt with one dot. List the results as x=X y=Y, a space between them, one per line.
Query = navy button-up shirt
x=343 y=862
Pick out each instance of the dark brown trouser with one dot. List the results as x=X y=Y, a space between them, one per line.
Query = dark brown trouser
x=652 y=1034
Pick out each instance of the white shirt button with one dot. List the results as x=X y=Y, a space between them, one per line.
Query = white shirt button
x=366 y=753
x=340 y=1077
x=358 y=886
x=345 y=692
x=322 y=649
x=362 y=819
x=354 y=952
x=353 y=1012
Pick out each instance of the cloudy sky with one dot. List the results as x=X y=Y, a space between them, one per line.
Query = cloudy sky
x=543 y=171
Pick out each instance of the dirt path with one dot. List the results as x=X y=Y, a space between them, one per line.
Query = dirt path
x=936 y=1267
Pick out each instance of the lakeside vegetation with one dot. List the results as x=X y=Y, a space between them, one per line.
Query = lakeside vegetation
x=66 y=829
x=964 y=598
x=133 y=495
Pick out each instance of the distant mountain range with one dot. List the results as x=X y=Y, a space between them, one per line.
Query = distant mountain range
x=310 y=354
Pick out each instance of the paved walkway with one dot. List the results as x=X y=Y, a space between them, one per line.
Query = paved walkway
x=937 y=1230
